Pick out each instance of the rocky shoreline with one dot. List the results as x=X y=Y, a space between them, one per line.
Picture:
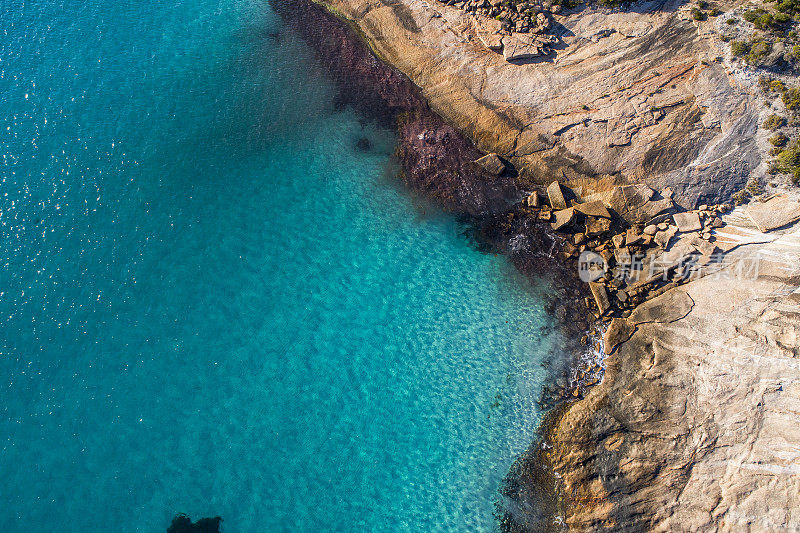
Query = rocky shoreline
x=650 y=250
x=441 y=164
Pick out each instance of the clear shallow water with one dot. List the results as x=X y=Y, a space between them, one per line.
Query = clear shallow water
x=211 y=303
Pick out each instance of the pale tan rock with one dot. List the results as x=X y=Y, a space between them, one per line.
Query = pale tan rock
x=618 y=332
x=516 y=48
x=600 y=295
x=594 y=208
x=663 y=237
x=556 y=196
x=564 y=217
x=773 y=214
x=488 y=32
x=687 y=221
x=688 y=125
x=668 y=307
x=696 y=417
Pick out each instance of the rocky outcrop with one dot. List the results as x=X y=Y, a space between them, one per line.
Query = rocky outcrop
x=688 y=430
x=623 y=96
x=694 y=427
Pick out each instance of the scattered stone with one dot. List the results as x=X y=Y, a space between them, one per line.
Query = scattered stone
x=632 y=237
x=716 y=222
x=492 y=164
x=564 y=217
x=556 y=196
x=533 y=199
x=659 y=219
x=662 y=238
x=618 y=240
x=687 y=222
x=650 y=230
x=488 y=31
x=594 y=208
x=663 y=226
x=619 y=331
x=579 y=239
x=596 y=226
x=774 y=213
x=600 y=296
x=705 y=248
x=622 y=256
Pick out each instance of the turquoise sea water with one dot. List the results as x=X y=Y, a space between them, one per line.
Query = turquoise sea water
x=211 y=302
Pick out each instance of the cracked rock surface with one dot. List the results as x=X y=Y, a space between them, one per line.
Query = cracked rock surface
x=632 y=94
x=696 y=424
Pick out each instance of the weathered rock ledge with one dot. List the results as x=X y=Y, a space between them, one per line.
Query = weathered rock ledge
x=695 y=426
x=633 y=96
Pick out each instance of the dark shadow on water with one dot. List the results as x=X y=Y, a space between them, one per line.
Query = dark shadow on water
x=183 y=524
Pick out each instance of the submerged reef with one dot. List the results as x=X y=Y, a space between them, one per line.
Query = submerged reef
x=183 y=524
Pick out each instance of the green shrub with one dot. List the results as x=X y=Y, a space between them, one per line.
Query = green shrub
x=754 y=187
x=730 y=22
x=773 y=122
x=779 y=139
x=788 y=161
x=739 y=48
x=791 y=98
x=697 y=14
x=715 y=12
x=758 y=51
x=777 y=86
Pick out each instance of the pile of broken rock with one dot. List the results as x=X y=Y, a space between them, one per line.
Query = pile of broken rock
x=646 y=246
x=519 y=31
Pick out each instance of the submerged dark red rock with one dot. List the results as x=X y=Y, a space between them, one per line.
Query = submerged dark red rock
x=438 y=163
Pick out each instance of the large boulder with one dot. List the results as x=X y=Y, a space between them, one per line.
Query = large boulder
x=556 y=196
x=516 y=48
x=668 y=307
x=564 y=217
x=687 y=222
x=618 y=332
x=488 y=32
x=595 y=208
x=596 y=225
x=634 y=203
x=774 y=213
x=600 y=295
x=492 y=164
